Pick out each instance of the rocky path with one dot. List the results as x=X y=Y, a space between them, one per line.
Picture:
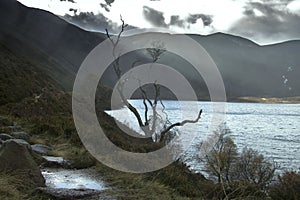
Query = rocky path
x=55 y=176
x=73 y=179
x=74 y=184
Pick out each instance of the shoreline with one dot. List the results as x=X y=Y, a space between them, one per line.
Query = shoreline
x=269 y=100
x=250 y=99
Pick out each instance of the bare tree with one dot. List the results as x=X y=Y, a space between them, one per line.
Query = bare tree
x=239 y=174
x=219 y=154
x=252 y=167
x=152 y=123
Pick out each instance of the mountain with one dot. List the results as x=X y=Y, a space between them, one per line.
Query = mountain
x=57 y=48
x=252 y=70
x=39 y=58
x=46 y=37
x=19 y=78
x=26 y=90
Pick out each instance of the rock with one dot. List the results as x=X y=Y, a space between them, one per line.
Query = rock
x=51 y=161
x=4 y=137
x=41 y=149
x=62 y=193
x=21 y=135
x=20 y=142
x=15 y=127
x=1 y=141
x=15 y=157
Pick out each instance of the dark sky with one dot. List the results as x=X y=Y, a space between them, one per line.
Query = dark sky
x=263 y=21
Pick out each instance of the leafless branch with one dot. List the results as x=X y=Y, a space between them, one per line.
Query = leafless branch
x=155 y=53
x=163 y=133
x=118 y=72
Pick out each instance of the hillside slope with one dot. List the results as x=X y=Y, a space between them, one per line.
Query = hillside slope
x=58 y=49
x=61 y=46
x=252 y=70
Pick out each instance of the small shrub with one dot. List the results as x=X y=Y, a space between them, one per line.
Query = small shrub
x=220 y=154
x=239 y=175
x=253 y=168
x=287 y=187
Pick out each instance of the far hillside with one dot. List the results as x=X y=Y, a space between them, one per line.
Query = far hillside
x=247 y=68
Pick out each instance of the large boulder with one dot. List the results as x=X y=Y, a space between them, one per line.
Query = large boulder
x=5 y=136
x=52 y=161
x=41 y=149
x=21 y=135
x=21 y=142
x=15 y=157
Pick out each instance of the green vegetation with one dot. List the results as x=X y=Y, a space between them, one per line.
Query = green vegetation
x=19 y=78
x=33 y=100
x=15 y=185
x=11 y=186
x=173 y=182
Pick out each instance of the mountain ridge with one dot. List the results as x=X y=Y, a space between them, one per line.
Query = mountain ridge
x=247 y=68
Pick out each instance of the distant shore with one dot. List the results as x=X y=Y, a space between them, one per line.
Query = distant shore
x=248 y=99
x=291 y=100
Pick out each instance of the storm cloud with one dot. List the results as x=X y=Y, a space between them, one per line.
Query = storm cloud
x=91 y=21
x=155 y=17
x=107 y=5
x=175 y=20
x=207 y=19
x=268 y=23
x=72 y=1
x=109 y=2
x=263 y=21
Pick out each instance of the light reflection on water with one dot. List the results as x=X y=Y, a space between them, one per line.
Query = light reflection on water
x=73 y=179
x=272 y=129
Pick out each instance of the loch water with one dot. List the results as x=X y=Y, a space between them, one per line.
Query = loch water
x=271 y=129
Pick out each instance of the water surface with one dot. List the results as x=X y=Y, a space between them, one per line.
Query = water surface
x=271 y=129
